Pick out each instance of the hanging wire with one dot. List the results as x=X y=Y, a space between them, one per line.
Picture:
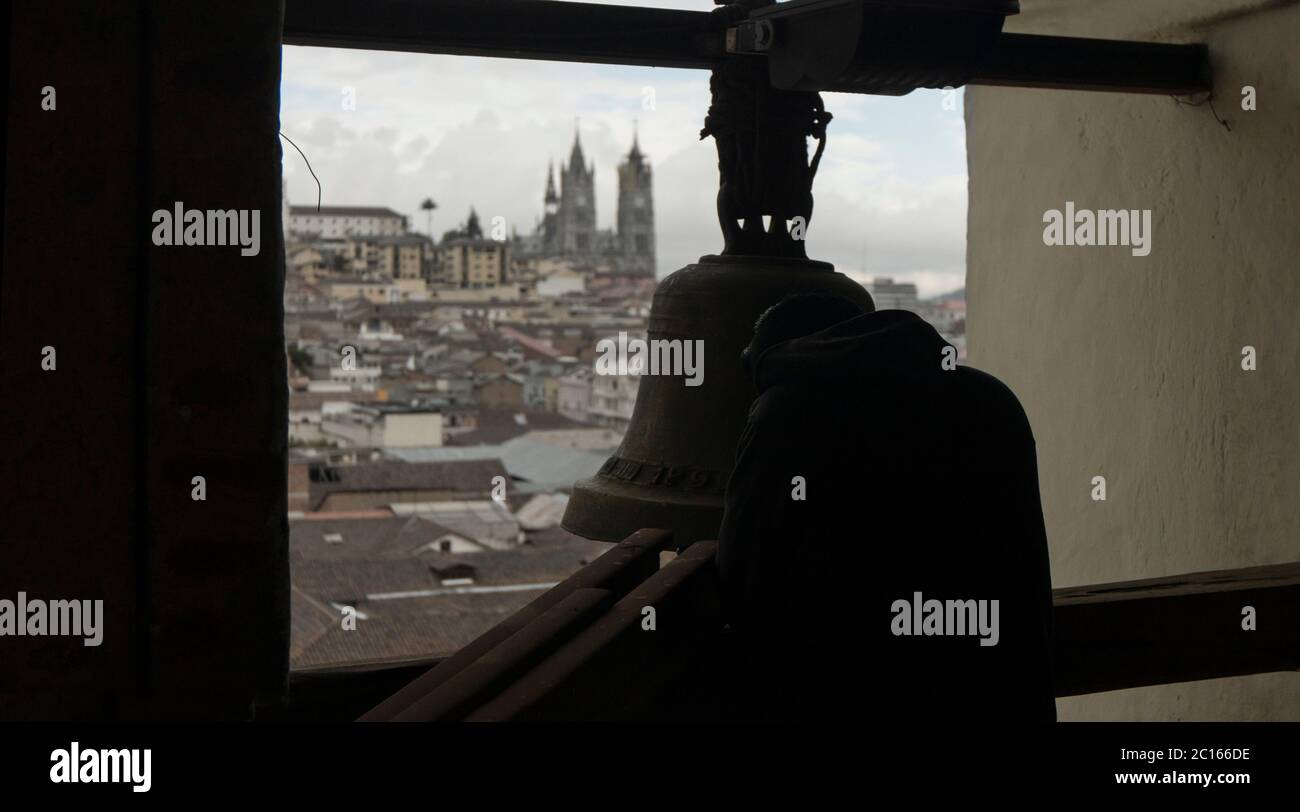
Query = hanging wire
x=319 y=191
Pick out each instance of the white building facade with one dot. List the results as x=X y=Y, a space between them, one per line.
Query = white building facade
x=339 y=222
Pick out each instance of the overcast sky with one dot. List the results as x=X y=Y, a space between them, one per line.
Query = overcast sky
x=890 y=192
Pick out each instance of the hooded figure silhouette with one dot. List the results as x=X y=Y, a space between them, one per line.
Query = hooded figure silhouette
x=883 y=554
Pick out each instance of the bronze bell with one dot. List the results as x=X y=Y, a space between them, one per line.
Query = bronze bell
x=672 y=467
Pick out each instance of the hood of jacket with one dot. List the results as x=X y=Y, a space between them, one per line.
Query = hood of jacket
x=887 y=343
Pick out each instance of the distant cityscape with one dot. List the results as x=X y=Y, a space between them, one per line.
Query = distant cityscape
x=443 y=402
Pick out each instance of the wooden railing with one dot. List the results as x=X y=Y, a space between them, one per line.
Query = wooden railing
x=582 y=650
x=1176 y=629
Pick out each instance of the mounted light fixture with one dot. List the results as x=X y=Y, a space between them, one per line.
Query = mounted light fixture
x=887 y=47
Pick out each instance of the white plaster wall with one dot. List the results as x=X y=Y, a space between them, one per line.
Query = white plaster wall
x=1129 y=367
x=414 y=430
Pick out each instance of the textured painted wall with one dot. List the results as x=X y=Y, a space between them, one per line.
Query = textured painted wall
x=1130 y=367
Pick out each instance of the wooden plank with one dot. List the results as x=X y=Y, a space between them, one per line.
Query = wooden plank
x=616 y=667
x=74 y=235
x=1074 y=63
x=340 y=694
x=215 y=406
x=516 y=29
x=619 y=570
x=493 y=672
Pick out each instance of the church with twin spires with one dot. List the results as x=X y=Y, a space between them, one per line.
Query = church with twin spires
x=568 y=230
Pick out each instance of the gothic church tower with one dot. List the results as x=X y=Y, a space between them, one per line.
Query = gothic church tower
x=636 y=214
x=577 y=213
x=550 y=226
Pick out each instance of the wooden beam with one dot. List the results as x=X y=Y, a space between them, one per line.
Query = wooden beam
x=1072 y=63
x=515 y=29
x=630 y=35
x=1176 y=629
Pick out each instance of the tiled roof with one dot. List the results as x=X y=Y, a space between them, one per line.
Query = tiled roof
x=532 y=461
x=308 y=620
x=313 y=401
x=556 y=536
x=536 y=345
x=496 y=426
x=414 y=629
x=524 y=564
x=351 y=581
x=462 y=476
x=369 y=538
